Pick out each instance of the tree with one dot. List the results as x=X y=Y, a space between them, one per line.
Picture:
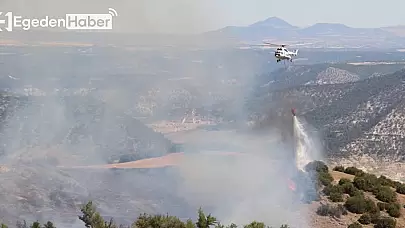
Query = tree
x=316 y=166
x=356 y=204
x=344 y=181
x=160 y=221
x=385 y=223
x=93 y=219
x=336 y=197
x=255 y=224
x=205 y=221
x=190 y=224
x=394 y=210
x=49 y=225
x=385 y=194
x=325 y=178
x=339 y=169
x=365 y=219
x=354 y=171
x=36 y=225
x=400 y=188
x=349 y=188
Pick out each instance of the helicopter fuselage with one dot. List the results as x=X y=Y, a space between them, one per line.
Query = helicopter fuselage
x=283 y=54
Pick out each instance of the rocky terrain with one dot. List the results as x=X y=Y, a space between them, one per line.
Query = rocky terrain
x=358 y=115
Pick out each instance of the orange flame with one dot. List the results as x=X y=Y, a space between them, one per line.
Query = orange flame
x=291 y=185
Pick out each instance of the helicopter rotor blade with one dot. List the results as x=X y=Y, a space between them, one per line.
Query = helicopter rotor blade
x=277 y=45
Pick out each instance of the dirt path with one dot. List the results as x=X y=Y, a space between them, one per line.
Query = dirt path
x=158 y=162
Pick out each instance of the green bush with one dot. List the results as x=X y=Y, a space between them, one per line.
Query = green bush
x=400 y=188
x=316 y=166
x=355 y=225
x=359 y=204
x=385 y=181
x=325 y=178
x=366 y=182
x=344 y=181
x=385 y=194
x=365 y=219
x=374 y=217
x=382 y=206
x=255 y=224
x=371 y=207
x=354 y=171
x=385 y=223
x=329 y=189
x=356 y=204
x=339 y=168
x=394 y=210
x=336 y=197
x=349 y=188
x=330 y=210
x=397 y=184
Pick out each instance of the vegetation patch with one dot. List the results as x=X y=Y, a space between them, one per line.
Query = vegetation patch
x=331 y=210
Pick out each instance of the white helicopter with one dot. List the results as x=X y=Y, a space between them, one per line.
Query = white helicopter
x=281 y=53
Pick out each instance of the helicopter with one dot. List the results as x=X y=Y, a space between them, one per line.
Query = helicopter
x=281 y=53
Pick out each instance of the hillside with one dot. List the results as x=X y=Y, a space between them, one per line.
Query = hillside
x=355 y=118
x=345 y=196
x=323 y=73
x=39 y=133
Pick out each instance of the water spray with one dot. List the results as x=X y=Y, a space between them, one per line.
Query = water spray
x=303 y=143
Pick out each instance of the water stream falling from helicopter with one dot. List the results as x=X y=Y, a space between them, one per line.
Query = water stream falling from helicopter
x=303 y=144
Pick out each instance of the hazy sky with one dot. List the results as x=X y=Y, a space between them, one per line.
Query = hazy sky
x=173 y=16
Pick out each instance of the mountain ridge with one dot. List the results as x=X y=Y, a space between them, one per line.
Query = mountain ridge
x=326 y=33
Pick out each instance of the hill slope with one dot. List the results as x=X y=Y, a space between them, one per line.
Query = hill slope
x=348 y=113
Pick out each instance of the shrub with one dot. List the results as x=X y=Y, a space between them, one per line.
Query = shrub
x=339 y=168
x=356 y=204
x=328 y=190
x=385 y=194
x=360 y=183
x=394 y=210
x=385 y=223
x=374 y=217
x=382 y=206
x=354 y=171
x=349 y=188
x=365 y=219
x=336 y=197
x=397 y=184
x=366 y=182
x=317 y=166
x=383 y=180
x=371 y=207
x=400 y=188
x=323 y=210
x=325 y=178
x=355 y=225
x=330 y=210
x=344 y=181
